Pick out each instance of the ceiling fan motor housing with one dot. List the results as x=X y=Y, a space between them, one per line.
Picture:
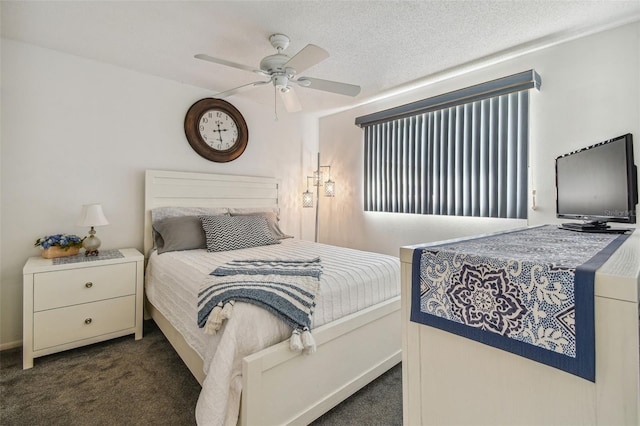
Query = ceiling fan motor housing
x=274 y=63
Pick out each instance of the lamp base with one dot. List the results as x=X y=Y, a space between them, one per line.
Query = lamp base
x=91 y=245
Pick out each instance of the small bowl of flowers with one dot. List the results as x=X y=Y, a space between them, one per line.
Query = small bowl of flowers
x=59 y=245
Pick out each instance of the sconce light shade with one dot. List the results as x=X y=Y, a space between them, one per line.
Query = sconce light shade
x=317 y=178
x=92 y=215
x=329 y=188
x=307 y=199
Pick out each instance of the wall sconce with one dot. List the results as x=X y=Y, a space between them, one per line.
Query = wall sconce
x=318 y=181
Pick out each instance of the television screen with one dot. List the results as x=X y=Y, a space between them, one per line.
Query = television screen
x=598 y=184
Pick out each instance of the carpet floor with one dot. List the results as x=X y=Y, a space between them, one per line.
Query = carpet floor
x=144 y=382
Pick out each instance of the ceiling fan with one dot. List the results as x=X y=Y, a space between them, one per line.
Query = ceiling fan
x=282 y=71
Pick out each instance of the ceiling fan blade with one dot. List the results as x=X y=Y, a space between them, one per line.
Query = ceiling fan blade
x=228 y=63
x=290 y=100
x=241 y=89
x=329 y=86
x=306 y=58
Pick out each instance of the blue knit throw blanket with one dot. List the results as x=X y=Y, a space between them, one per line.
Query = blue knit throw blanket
x=286 y=288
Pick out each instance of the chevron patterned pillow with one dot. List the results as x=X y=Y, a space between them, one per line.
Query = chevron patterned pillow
x=236 y=232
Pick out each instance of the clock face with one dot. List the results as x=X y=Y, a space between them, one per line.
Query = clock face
x=216 y=130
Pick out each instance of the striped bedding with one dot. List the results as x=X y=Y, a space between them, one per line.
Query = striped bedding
x=352 y=280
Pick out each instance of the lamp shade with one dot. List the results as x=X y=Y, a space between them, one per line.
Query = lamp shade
x=318 y=178
x=307 y=199
x=92 y=215
x=329 y=188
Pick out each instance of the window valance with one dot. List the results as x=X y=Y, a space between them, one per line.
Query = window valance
x=513 y=83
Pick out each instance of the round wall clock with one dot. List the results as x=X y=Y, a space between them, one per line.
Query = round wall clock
x=216 y=130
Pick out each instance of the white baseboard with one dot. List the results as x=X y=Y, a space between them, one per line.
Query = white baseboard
x=10 y=345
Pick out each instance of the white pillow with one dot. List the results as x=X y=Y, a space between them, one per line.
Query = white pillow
x=272 y=216
x=160 y=213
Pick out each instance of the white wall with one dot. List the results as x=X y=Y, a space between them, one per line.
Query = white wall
x=75 y=131
x=590 y=92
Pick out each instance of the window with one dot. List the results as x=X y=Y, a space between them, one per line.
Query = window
x=463 y=153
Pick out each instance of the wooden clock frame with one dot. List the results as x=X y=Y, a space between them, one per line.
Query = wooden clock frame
x=192 y=132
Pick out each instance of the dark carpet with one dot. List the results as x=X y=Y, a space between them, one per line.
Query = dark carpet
x=144 y=382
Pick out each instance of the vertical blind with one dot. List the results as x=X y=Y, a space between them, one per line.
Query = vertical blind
x=465 y=160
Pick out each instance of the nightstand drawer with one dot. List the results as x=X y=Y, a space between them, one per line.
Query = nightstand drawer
x=65 y=325
x=82 y=285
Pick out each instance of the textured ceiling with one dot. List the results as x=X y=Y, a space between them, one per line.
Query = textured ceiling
x=379 y=45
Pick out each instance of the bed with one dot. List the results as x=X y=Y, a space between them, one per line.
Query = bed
x=355 y=342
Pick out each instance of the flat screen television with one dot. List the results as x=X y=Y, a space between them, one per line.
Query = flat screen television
x=596 y=185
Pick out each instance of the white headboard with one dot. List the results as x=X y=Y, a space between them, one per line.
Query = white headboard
x=186 y=189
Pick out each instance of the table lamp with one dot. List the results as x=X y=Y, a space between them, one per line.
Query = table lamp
x=92 y=215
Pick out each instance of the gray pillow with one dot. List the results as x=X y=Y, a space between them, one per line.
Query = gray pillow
x=179 y=233
x=272 y=221
x=160 y=213
x=224 y=233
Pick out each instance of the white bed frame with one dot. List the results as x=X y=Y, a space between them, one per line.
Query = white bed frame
x=280 y=386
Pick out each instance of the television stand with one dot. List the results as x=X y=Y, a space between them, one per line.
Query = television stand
x=592 y=227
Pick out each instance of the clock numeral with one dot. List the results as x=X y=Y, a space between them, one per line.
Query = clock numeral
x=201 y=128
x=204 y=137
x=205 y=120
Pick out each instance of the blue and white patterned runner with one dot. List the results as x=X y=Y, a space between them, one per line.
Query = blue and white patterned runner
x=528 y=291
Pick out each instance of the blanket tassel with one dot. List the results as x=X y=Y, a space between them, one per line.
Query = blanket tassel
x=308 y=341
x=215 y=320
x=295 y=342
x=302 y=340
x=218 y=314
x=226 y=311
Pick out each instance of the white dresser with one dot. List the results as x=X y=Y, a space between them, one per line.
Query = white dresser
x=452 y=380
x=69 y=303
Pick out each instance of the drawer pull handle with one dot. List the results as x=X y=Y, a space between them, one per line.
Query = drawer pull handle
x=88 y=321
x=89 y=284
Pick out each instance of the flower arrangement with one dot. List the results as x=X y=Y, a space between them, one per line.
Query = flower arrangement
x=64 y=241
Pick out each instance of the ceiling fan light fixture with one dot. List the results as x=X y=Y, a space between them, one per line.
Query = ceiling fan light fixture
x=290 y=100
x=281 y=82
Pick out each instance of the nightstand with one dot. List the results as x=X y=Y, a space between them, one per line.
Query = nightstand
x=76 y=301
